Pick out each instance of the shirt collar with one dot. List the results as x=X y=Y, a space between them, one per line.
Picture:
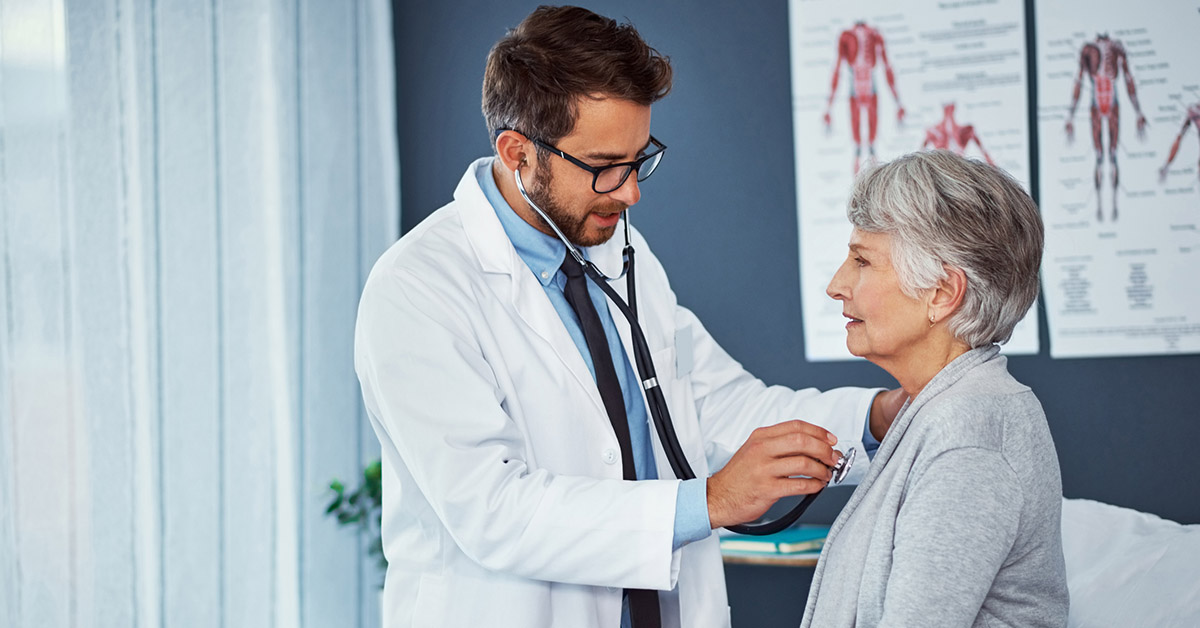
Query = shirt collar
x=541 y=252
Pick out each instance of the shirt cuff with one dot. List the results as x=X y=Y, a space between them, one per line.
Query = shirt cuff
x=691 y=512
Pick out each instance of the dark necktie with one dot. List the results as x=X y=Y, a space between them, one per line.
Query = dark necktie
x=643 y=604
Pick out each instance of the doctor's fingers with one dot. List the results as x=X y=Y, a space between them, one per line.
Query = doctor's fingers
x=769 y=442
x=790 y=487
x=797 y=466
x=796 y=426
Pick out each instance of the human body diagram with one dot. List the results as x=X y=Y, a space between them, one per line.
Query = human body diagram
x=1191 y=118
x=860 y=47
x=948 y=134
x=1103 y=60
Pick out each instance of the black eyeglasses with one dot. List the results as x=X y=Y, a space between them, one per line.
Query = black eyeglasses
x=608 y=178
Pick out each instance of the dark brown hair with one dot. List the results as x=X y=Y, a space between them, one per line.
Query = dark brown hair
x=536 y=73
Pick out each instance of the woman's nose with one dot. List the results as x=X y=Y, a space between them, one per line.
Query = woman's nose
x=837 y=285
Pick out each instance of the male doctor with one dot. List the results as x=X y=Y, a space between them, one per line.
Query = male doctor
x=516 y=493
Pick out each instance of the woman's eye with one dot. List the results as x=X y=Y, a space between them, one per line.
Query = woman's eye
x=860 y=261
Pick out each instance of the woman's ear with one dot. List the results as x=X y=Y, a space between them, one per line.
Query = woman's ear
x=512 y=148
x=947 y=295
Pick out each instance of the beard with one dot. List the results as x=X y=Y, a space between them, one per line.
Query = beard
x=574 y=227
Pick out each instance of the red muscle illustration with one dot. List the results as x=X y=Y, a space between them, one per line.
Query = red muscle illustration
x=1103 y=60
x=860 y=47
x=950 y=135
x=1191 y=118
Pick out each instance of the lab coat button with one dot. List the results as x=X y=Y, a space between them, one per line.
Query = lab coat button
x=610 y=456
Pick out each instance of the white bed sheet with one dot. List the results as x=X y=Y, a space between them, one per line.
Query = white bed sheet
x=1130 y=568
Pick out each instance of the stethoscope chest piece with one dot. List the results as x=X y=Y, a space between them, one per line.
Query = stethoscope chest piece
x=843 y=466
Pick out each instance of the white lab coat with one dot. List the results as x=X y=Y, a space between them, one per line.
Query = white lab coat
x=504 y=501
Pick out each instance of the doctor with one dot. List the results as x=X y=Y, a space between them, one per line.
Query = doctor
x=506 y=496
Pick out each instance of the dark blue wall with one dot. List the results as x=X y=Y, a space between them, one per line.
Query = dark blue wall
x=721 y=216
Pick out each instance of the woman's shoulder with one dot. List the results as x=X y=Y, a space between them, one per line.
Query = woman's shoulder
x=983 y=385
x=987 y=408
x=1005 y=421
x=989 y=377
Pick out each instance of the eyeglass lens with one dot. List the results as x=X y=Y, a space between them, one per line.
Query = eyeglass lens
x=609 y=179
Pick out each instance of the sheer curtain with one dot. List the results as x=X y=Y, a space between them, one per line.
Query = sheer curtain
x=191 y=194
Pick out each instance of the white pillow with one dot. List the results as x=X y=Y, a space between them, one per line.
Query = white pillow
x=1129 y=568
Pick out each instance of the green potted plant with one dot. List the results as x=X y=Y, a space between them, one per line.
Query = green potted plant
x=362 y=508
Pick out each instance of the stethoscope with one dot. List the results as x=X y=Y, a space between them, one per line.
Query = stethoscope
x=655 y=400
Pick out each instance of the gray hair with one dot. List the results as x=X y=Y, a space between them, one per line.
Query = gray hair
x=943 y=210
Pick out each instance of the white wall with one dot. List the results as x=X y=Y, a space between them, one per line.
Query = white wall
x=191 y=194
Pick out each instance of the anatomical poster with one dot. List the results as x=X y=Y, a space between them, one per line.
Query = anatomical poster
x=875 y=79
x=1118 y=104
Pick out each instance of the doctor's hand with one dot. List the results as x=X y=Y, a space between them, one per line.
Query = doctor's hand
x=765 y=469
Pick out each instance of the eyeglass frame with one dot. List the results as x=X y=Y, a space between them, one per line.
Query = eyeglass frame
x=634 y=166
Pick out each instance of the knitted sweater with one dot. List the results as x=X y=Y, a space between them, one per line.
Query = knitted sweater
x=958 y=520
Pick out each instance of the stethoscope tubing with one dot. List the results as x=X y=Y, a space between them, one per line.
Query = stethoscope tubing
x=661 y=415
x=656 y=402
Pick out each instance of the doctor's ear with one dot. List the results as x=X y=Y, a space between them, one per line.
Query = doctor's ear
x=512 y=149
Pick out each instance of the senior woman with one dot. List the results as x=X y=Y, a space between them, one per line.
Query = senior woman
x=958 y=520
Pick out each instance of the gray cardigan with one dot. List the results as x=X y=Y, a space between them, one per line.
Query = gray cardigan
x=958 y=520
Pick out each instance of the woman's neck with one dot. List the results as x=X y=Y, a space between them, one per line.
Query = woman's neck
x=914 y=371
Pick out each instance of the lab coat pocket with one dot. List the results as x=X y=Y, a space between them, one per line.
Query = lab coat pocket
x=499 y=602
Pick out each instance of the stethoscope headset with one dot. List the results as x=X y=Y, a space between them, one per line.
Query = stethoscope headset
x=655 y=400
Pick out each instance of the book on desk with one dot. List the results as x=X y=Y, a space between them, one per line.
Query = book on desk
x=803 y=539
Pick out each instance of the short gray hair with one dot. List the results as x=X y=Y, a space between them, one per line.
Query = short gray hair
x=944 y=210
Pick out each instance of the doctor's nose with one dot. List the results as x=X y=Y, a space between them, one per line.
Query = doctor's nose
x=629 y=193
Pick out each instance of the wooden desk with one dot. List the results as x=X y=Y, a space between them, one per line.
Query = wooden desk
x=806 y=559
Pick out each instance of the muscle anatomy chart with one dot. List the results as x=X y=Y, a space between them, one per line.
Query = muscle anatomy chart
x=1118 y=91
x=873 y=80
x=1102 y=60
x=860 y=48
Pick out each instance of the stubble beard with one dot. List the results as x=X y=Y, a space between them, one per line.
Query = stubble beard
x=572 y=226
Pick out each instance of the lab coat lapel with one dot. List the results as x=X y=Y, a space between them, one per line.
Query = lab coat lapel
x=510 y=278
x=530 y=301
